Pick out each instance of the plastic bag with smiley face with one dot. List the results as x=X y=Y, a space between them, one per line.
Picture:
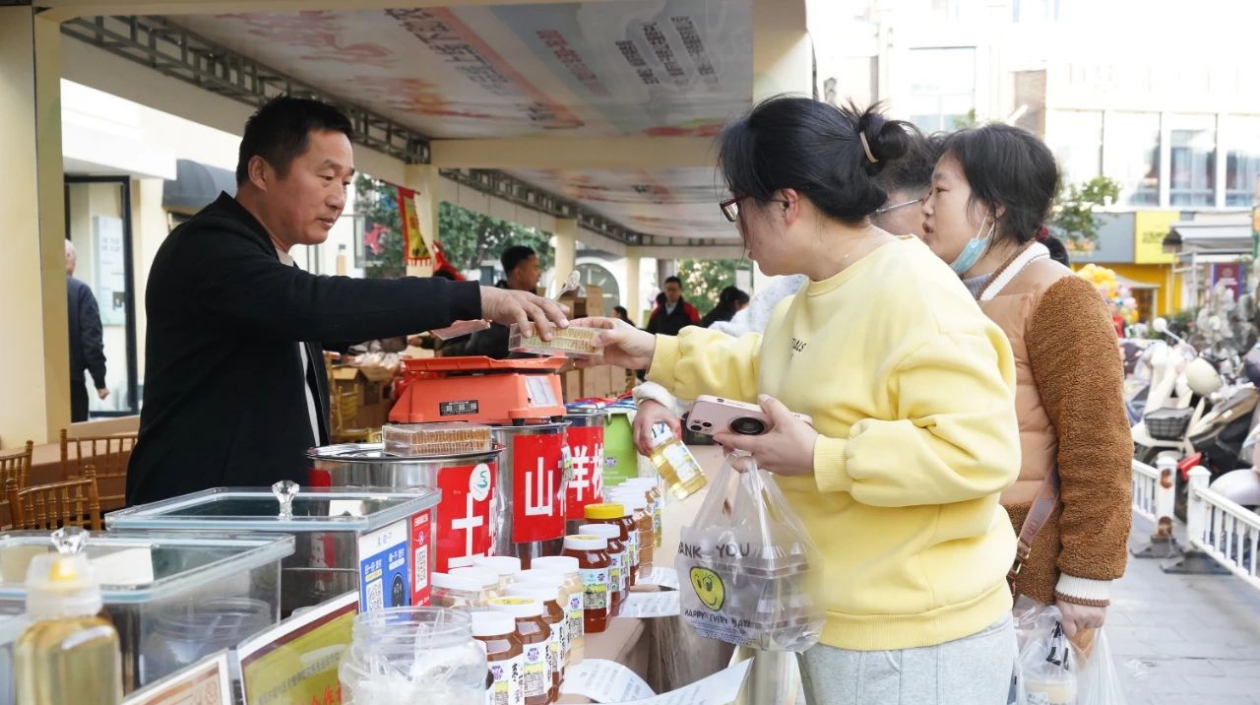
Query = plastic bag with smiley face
x=750 y=573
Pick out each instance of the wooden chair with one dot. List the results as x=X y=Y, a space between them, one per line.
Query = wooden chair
x=15 y=466
x=108 y=454
x=50 y=507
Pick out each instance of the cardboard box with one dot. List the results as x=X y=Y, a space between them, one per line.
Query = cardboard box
x=586 y=306
x=571 y=380
x=362 y=396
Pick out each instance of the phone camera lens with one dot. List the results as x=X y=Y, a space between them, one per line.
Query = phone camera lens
x=748 y=426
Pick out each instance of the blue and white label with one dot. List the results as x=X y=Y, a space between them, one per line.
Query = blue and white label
x=384 y=576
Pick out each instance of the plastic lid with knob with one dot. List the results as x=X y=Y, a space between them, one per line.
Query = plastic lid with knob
x=63 y=584
x=632 y=499
x=585 y=542
x=466 y=583
x=604 y=531
x=605 y=511
x=488 y=624
x=562 y=564
x=517 y=607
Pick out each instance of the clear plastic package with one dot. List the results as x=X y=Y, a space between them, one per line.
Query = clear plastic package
x=752 y=574
x=429 y=439
x=573 y=341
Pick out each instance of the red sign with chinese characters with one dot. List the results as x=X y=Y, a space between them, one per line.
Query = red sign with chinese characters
x=421 y=530
x=585 y=445
x=538 y=488
x=465 y=514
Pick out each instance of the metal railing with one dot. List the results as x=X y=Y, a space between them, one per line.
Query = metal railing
x=1224 y=530
x=1145 y=490
x=1154 y=494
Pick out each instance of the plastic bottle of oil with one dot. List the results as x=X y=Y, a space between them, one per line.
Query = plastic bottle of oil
x=69 y=654
x=675 y=463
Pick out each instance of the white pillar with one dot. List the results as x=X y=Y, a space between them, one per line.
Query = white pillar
x=634 y=306
x=149 y=231
x=35 y=365
x=564 y=240
x=783 y=60
x=427 y=183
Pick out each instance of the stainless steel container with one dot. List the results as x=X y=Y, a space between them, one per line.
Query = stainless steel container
x=532 y=482
x=584 y=458
x=471 y=513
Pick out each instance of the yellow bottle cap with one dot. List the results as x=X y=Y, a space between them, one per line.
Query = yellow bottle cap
x=605 y=511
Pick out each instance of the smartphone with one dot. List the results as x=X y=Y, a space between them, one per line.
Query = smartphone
x=712 y=415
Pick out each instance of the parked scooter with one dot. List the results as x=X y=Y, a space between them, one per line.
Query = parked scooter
x=1181 y=384
x=1243 y=485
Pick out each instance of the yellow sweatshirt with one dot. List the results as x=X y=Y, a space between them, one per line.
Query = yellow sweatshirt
x=911 y=387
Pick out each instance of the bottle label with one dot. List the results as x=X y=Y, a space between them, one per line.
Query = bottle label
x=577 y=626
x=555 y=651
x=595 y=581
x=683 y=462
x=619 y=577
x=508 y=677
x=537 y=669
x=657 y=520
x=632 y=549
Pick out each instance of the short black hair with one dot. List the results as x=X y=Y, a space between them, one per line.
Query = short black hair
x=673 y=280
x=513 y=256
x=732 y=295
x=622 y=310
x=281 y=131
x=912 y=172
x=815 y=148
x=1008 y=167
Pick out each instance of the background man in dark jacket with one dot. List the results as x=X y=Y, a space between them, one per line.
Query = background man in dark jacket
x=235 y=388
x=87 y=342
x=672 y=313
x=521 y=271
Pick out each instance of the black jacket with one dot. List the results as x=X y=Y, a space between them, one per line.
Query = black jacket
x=664 y=323
x=87 y=343
x=224 y=394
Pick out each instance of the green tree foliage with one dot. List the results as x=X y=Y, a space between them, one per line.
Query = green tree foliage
x=469 y=238
x=377 y=202
x=704 y=279
x=1074 y=208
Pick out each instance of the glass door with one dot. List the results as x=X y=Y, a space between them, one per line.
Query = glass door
x=98 y=226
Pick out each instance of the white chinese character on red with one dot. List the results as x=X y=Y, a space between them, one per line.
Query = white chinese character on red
x=582 y=467
x=544 y=504
x=470 y=521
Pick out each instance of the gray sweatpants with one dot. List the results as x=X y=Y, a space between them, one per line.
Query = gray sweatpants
x=974 y=670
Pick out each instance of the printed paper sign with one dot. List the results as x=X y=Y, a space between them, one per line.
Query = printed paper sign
x=465 y=514
x=418 y=557
x=384 y=570
x=208 y=682
x=647 y=605
x=295 y=662
x=605 y=682
x=538 y=492
x=586 y=458
x=662 y=576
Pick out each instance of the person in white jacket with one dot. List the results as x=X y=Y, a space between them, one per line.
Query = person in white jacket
x=906 y=181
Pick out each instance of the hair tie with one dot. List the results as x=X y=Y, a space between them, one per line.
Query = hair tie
x=1043 y=234
x=866 y=147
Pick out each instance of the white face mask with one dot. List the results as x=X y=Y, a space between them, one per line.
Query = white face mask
x=972 y=251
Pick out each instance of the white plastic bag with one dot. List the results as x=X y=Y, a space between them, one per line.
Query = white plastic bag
x=749 y=570
x=1051 y=669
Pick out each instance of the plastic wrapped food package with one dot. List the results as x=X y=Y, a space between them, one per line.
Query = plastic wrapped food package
x=431 y=439
x=753 y=576
x=414 y=654
x=565 y=342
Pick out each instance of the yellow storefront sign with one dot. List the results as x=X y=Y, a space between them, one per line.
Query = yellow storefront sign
x=1149 y=230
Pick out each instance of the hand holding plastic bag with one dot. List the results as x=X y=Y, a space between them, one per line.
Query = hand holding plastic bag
x=753 y=572
x=1054 y=671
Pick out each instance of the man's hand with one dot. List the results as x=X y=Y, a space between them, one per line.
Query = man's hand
x=786 y=449
x=651 y=413
x=102 y=393
x=530 y=312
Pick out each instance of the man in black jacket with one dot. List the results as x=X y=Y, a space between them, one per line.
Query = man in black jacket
x=521 y=273
x=87 y=342
x=235 y=389
x=672 y=312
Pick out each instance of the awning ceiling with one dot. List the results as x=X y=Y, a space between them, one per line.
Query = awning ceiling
x=195 y=186
x=607 y=69
x=1210 y=237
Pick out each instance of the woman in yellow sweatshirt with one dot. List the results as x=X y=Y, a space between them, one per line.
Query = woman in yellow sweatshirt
x=911 y=391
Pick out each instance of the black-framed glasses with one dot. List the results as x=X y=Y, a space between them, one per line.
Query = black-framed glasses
x=730 y=207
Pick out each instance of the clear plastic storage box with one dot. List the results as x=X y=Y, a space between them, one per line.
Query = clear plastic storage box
x=378 y=542
x=11 y=625
x=174 y=598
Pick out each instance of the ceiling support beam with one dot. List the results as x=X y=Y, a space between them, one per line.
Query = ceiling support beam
x=575 y=153
x=63 y=10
